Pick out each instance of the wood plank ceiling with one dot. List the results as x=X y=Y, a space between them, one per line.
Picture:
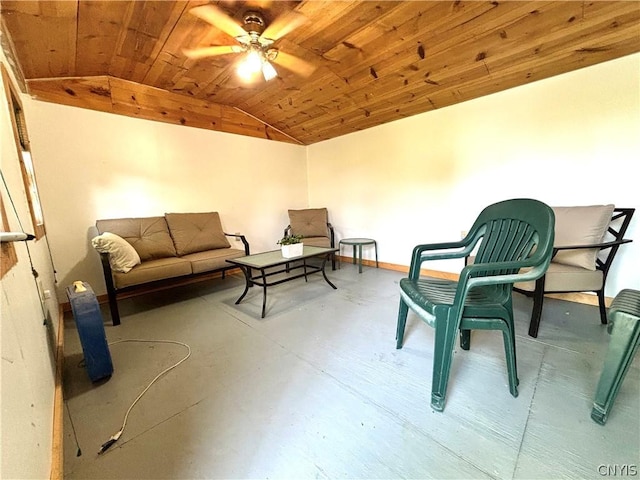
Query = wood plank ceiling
x=376 y=61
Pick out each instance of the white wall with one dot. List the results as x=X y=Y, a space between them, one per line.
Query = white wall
x=569 y=140
x=28 y=328
x=93 y=165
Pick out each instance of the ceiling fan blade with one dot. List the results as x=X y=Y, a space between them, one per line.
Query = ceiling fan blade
x=197 y=53
x=259 y=4
x=295 y=64
x=284 y=24
x=218 y=19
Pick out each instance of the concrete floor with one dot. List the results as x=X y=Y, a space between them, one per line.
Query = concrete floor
x=317 y=390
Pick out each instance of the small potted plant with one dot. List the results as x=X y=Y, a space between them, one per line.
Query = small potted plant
x=291 y=246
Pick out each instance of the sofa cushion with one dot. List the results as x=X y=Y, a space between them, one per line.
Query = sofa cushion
x=311 y=222
x=122 y=256
x=149 y=235
x=210 y=260
x=317 y=241
x=152 y=270
x=583 y=225
x=196 y=232
x=558 y=276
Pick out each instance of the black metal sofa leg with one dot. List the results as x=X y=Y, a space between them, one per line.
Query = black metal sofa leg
x=465 y=339
x=603 y=307
x=113 y=307
x=536 y=313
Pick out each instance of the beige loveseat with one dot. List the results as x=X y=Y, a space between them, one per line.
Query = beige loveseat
x=143 y=254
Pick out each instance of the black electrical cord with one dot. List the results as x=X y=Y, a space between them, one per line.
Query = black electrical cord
x=73 y=429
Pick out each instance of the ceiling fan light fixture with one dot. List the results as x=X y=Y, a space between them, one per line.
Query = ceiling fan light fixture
x=254 y=63
x=254 y=38
x=250 y=65
x=268 y=71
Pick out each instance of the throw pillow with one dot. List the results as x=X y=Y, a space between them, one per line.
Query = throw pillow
x=196 y=232
x=148 y=235
x=122 y=256
x=311 y=222
x=581 y=226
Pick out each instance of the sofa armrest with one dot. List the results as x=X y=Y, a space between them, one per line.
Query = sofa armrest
x=111 y=288
x=106 y=267
x=600 y=246
x=242 y=239
x=331 y=236
x=600 y=264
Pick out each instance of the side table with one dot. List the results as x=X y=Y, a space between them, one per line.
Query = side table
x=357 y=243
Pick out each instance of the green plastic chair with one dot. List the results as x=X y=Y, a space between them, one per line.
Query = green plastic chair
x=624 y=327
x=514 y=241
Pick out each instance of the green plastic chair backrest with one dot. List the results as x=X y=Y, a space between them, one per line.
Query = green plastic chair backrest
x=514 y=230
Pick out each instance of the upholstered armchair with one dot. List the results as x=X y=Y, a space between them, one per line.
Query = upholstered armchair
x=587 y=239
x=313 y=224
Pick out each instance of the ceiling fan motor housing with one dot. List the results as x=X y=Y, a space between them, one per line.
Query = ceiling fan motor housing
x=253 y=23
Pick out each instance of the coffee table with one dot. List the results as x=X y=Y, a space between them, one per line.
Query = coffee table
x=272 y=260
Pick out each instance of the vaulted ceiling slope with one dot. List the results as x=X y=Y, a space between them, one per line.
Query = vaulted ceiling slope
x=375 y=61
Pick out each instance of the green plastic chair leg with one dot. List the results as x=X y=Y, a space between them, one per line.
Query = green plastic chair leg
x=514 y=369
x=402 y=320
x=510 y=354
x=507 y=327
x=445 y=338
x=623 y=345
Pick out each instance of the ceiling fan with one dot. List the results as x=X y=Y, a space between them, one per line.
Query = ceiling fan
x=255 y=39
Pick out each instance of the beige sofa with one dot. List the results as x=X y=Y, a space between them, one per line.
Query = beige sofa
x=143 y=254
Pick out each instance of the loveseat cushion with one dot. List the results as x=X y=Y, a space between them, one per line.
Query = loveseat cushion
x=212 y=259
x=149 y=235
x=196 y=232
x=152 y=270
x=310 y=222
x=582 y=225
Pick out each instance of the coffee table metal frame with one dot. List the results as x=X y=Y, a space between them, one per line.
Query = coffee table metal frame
x=269 y=260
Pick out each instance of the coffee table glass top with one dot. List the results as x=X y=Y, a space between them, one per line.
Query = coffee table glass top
x=274 y=257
